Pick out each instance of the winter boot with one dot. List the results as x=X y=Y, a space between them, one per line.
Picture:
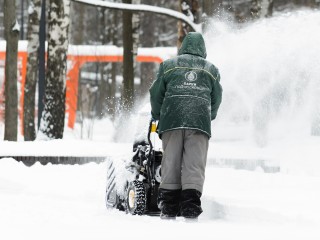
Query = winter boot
x=190 y=204
x=168 y=203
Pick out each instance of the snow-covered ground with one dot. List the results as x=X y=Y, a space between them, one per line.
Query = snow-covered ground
x=67 y=202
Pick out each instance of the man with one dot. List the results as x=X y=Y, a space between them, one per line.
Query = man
x=185 y=99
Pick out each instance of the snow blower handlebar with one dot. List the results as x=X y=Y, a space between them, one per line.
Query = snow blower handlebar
x=152 y=128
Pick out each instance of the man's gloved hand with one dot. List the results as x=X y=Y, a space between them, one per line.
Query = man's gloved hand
x=153 y=124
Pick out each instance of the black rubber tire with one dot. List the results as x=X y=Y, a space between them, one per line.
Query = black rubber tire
x=136 y=198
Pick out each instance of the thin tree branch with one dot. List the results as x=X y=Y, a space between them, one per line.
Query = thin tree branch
x=143 y=8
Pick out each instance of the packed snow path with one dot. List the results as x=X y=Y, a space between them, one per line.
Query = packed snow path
x=67 y=202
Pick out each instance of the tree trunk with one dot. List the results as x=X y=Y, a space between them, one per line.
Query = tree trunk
x=103 y=82
x=112 y=102
x=135 y=44
x=32 y=71
x=270 y=8
x=261 y=8
x=11 y=92
x=128 y=70
x=255 y=8
x=189 y=8
x=148 y=39
x=78 y=24
x=52 y=121
x=102 y=91
x=208 y=7
x=135 y=30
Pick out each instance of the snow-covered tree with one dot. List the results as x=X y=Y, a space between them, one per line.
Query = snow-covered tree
x=11 y=93
x=52 y=121
x=32 y=70
x=190 y=8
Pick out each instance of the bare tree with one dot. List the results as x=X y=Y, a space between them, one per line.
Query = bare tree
x=128 y=61
x=11 y=93
x=103 y=67
x=78 y=24
x=114 y=30
x=32 y=71
x=52 y=121
x=135 y=29
x=148 y=39
x=112 y=90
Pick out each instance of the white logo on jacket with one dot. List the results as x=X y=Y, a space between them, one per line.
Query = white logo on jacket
x=190 y=76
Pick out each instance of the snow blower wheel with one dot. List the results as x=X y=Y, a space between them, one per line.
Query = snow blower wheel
x=136 y=198
x=137 y=193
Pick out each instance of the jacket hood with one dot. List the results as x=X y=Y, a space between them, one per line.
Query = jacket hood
x=193 y=44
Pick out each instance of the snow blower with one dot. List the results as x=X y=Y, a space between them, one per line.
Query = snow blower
x=136 y=190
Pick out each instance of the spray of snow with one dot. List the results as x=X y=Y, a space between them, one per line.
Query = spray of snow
x=269 y=72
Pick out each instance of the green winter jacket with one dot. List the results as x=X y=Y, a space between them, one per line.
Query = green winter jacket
x=187 y=92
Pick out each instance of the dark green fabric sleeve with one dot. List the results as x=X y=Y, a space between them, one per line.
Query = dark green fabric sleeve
x=157 y=93
x=216 y=96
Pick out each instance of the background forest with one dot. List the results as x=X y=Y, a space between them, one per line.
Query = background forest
x=101 y=89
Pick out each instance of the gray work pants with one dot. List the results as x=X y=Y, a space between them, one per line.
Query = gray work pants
x=184 y=159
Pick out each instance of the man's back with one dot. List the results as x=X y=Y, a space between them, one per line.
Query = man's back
x=188 y=89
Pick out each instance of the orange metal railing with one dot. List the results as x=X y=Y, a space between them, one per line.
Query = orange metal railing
x=75 y=62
